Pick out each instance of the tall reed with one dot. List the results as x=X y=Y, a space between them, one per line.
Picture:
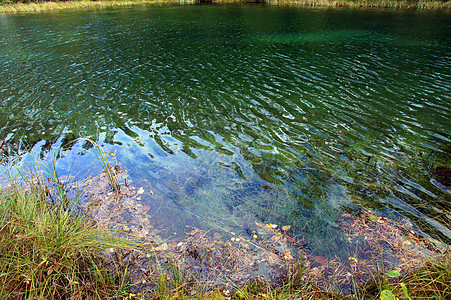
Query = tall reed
x=102 y=157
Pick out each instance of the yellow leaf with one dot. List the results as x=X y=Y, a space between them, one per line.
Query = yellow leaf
x=258 y=224
x=286 y=227
x=164 y=246
x=353 y=259
x=232 y=233
x=255 y=236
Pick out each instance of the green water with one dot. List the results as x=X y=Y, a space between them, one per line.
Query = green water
x=237 y=114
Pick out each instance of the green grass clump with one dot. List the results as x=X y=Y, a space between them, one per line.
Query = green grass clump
x=49 y=252
x=430 y=281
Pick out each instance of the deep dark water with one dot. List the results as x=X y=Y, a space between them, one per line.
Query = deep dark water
x=236 y=114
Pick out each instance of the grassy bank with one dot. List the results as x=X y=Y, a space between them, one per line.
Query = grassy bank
x=12 y=7
x=394 y=4
x=49 y=252
x=8 y=7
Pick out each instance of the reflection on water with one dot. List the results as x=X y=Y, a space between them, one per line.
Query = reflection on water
x=242 y=114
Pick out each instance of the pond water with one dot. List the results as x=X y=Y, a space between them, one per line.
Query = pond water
x=237 y=114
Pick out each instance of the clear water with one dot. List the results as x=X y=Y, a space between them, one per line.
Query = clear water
x=237 y=114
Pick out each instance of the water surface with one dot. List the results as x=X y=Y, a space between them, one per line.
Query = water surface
x=237 y=114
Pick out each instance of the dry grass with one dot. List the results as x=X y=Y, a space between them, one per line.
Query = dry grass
x=82 y=4
x=394 y=4
x=50 y=252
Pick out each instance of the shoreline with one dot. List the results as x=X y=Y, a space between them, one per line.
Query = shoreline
x=385 y=257
x=85 y=4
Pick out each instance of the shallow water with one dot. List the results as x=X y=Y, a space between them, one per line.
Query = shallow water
x=237 y=114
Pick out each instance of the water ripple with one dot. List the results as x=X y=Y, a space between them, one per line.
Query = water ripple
x=292 y=106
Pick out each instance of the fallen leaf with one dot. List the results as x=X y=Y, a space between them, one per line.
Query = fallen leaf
x=387 y=295
x=353 y=259
x=273 y=226
x=146 y=207
x=140 y=190
x=340 y=132
x=219 y=154
x=257 y=223
x=286 y=227
x=164 y=246
x=321 y=260
x=393 y=273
